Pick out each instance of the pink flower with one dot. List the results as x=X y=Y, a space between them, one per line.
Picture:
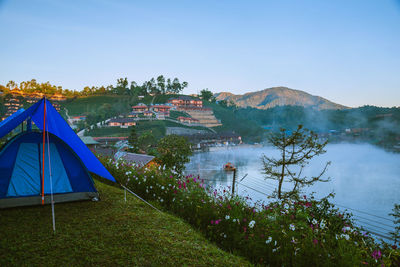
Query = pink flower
x=315 y=241
x=376 y=254
x=217 y=221
x=212 y=221
x=244 y=229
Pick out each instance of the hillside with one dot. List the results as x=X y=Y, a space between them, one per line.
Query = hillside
x=106 y=233
x=278 y=96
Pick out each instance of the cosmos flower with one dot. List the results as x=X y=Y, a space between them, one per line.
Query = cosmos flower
x=251 y=224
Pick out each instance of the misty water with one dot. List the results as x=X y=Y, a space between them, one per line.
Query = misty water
x=364 y=178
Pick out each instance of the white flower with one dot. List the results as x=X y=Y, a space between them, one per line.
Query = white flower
x=227 y=217
x=269 y=240
x=151 y=187
x=224 y=235
x=292 y=227
x=347 y=228
x=322 y=224
x=127 y=173
x=234 y=220
x=161 y=200
x=286 y=206
x=251 y=224
x=345 y=236
x=162 y=187
x=314 y=221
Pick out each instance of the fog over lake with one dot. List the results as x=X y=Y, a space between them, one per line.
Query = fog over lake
x=363 y=177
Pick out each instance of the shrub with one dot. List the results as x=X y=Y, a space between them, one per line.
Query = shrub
x=304 y=232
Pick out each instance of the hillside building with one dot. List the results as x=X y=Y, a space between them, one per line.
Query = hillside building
x=185 y=101
x=121 y=122
x=187 y=120
x=140 y=108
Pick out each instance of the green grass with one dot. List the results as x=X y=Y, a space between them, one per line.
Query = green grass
x=175 y=114
x=106 y=233
x=158 y=128
x=96 y=104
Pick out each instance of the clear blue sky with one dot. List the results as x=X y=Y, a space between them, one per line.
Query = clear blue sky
x=345 y=50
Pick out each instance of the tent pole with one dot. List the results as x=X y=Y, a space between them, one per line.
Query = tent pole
x=51 y=182
x=43 y=151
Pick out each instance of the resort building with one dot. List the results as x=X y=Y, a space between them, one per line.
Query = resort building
x=140 y=108
x=133 y=114
x=148 y=114
x=161 y=108
x=185 y=101
x=122 y=122
x=187 y=120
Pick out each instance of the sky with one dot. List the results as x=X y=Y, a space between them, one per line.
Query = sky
x=347 y=51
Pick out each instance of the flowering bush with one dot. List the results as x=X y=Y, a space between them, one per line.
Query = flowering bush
x=302 y=233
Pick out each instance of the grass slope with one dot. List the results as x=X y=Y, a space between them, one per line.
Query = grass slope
x=158 y=128
x=105 y=233
x=95 y=104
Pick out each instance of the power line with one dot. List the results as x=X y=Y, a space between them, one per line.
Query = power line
x=391 y=226
x=257 y=182
x=376 y=226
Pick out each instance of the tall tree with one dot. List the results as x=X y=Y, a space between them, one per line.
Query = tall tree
x=184 y=85
x=169 y=86
x=133 y=140
x=296 y=149
x=206 y=95
x=161 y=84
x=146 y=141
x=176 y=86
x=174 y=152
x=11 y=85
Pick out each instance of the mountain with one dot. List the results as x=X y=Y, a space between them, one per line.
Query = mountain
x=278 y=96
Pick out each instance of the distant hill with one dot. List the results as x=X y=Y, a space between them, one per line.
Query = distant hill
x=278 y=96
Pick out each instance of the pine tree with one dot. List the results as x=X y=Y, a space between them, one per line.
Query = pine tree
x=296 y=150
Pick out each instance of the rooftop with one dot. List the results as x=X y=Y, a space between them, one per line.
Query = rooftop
x=140 y=159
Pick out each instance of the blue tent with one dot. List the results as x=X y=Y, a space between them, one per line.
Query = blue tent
x=67 y=160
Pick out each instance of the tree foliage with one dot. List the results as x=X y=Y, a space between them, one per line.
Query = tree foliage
x=154 y=86
x=133 y=140
x=146 y=141
x=296 y=149
x=174 y=152
x=207 y=95
x=396 y=215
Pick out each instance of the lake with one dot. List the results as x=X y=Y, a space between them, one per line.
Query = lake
x=364 y=178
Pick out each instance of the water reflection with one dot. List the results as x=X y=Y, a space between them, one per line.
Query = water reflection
x=363 y=177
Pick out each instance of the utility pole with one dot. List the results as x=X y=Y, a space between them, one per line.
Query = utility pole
x=233 y=182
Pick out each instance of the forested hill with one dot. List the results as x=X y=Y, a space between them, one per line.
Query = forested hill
x=278 y=96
